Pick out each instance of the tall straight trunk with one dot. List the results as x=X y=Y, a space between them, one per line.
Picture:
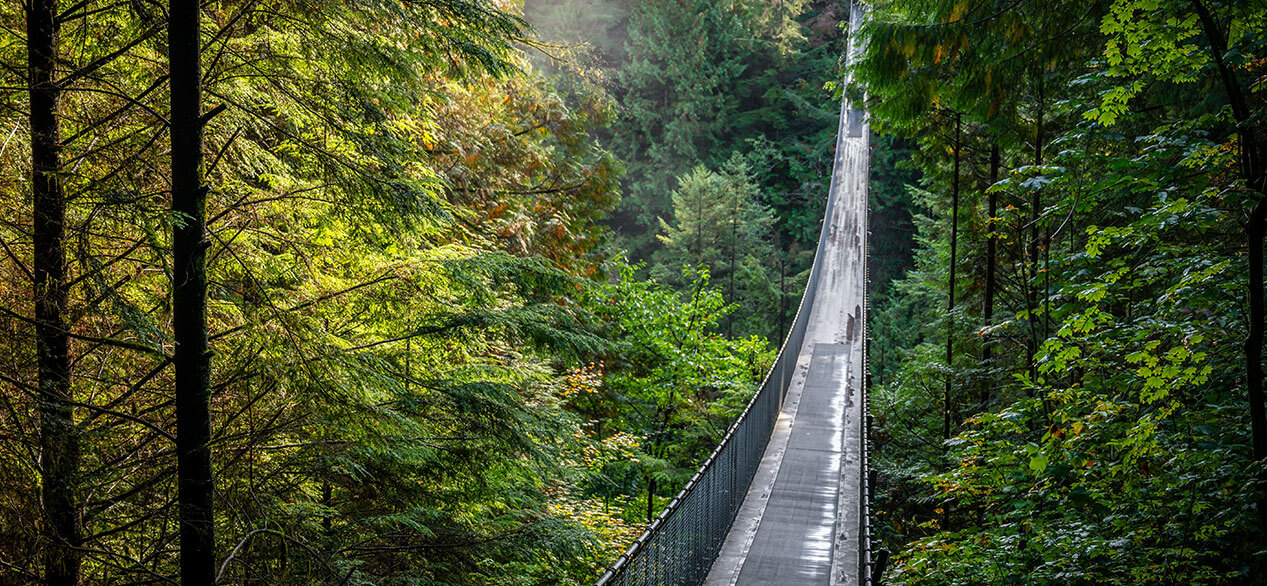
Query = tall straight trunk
x=991 y=253
x=947 y=403
x=1254 y=171
x=734 y=252
x=1254 y=351
x=656 y=451
x=991 y=249
x=650 y=499
x=59 y=439
x=192 y=358
x=778 y=251
x=1036 y=205
x=1036 y=201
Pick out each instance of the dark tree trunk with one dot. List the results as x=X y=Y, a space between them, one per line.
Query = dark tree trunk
x=1254 y=351
x=991 y=253
x=1036 y=202
x=666 y=414
x=1254 y=171
x=59 y=441
x=947 y=402
x=782 y=256
x=1036 y=205
x=734 y=253
x=650 y=500
x=189 y=301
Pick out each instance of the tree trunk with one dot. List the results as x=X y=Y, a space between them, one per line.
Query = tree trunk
x=59 y=438
x=734 y=253
x=991 y=252
x=782 y=256
x=947 y=403
x=650 y=500
x=192 y=358
x=1254 y=171
x=1036 y=205
x=1254 y=352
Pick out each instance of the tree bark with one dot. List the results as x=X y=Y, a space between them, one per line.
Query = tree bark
x=1254 y=172
x=59 y=438
x=947 y=403
x=1254 y=352
x=991 y=253
x=782 y=256
x=734 y=253
x=1036 y=205
x=650 y=500
x=192 y=360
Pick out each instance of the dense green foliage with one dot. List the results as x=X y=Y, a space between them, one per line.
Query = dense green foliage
x=430 y=363
x=385 y=381
x=672 y=380
x=705 y=87
x=1096 y=428
x=718 y=223
x=474 y=291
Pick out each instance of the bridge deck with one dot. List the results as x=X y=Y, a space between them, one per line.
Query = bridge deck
x=799 y=523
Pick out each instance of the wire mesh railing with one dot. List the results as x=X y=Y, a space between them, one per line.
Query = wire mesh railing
x=866 y=535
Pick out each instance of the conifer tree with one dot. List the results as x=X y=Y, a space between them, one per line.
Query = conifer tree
x=719 y=224
x=59 y=442
x=192 y=357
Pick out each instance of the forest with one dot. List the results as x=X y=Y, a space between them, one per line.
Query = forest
x=464 y=291
x=1068 y=373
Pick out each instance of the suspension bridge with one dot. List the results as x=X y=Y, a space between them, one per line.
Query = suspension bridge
x=785 y=498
